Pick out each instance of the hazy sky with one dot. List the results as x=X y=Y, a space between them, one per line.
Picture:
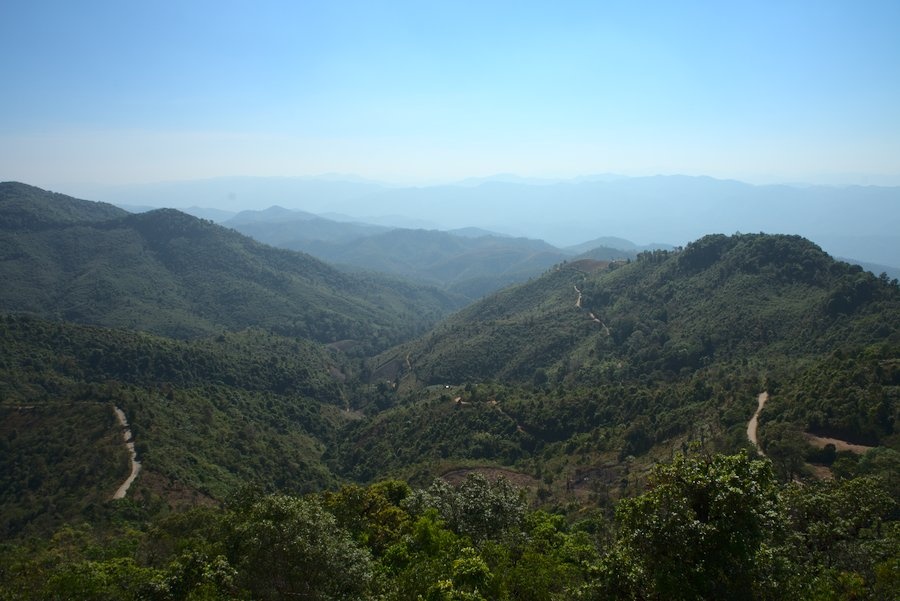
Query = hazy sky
x=125 y=91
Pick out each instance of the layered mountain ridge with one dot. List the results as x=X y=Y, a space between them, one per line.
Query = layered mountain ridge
x=173 y=274
x=235 y=361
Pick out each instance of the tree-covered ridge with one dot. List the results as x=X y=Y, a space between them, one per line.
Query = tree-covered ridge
x=471 y=262
x=471 y=266
x=206 y=415
x=575 y=384
x=594 y=363
x=24 y=207
x=720 y=298
x=250 y=359
x=176 y=275
x=706 y=527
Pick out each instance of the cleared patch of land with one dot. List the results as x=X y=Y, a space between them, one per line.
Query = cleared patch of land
x=491 y=473
x=839 y=445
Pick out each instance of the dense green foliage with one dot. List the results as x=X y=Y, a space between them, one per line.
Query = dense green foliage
x=587 y=387
x=745 y=296
x=173 y=274
x=57 y=461
x=696 y=533
x=472 y=266
x=657 y=352
x=707 y=527
x=206 y=414
x=29 y=208
x=852 y=396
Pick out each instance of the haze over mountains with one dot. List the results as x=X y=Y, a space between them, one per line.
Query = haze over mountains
x=860 y=222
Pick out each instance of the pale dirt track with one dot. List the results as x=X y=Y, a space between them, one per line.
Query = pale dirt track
x=753 y=424
x=593 y=317
x=135 y=464
x=816 y=441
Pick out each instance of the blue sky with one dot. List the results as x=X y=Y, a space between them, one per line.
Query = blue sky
x=125 y=92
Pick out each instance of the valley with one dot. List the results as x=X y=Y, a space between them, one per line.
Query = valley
x=219 y=386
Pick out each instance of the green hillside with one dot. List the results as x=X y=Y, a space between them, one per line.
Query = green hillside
x=207 y=416
x=469 y=265
x=607 y=392
x=24 y=207
x=173 y=274
x=211 y=343
x=720 y=298
x=669 y=348
x=444 y=258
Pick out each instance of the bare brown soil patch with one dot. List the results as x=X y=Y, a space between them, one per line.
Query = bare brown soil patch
x=176 y=494
x=343 y=345
x=840 y=445
x=589 y=265
x=521 y=480
x=820 y=472
x=593 y=477
x=389 y=370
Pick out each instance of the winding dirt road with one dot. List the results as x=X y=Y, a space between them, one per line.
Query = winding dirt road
x=135 y=464
x=593 y=317
x=753 y=424
x=493 y=403
x=816 y=441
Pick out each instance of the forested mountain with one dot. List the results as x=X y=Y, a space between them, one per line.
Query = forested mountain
x=613 y=242
x=207 y=415
x=596 y=362
x=471 y=262
x=217 y=354
x=173 y=274
x=470 y=266
x=298 y=230
x=26 y=207
x=580 y=387
x=720 y=298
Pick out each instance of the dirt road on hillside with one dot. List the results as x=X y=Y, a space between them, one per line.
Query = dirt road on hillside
x=753 y=424
x=135 y=464
x=593 y=317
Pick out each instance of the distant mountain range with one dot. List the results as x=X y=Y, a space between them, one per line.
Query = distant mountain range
x=472 y=262
x=848 y=221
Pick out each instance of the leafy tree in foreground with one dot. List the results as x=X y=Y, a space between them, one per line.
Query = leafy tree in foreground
x=844 y=539
x=695 y=534
x=707 y=528
x=477 y=508
x=289 y=547
x=371 y=514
